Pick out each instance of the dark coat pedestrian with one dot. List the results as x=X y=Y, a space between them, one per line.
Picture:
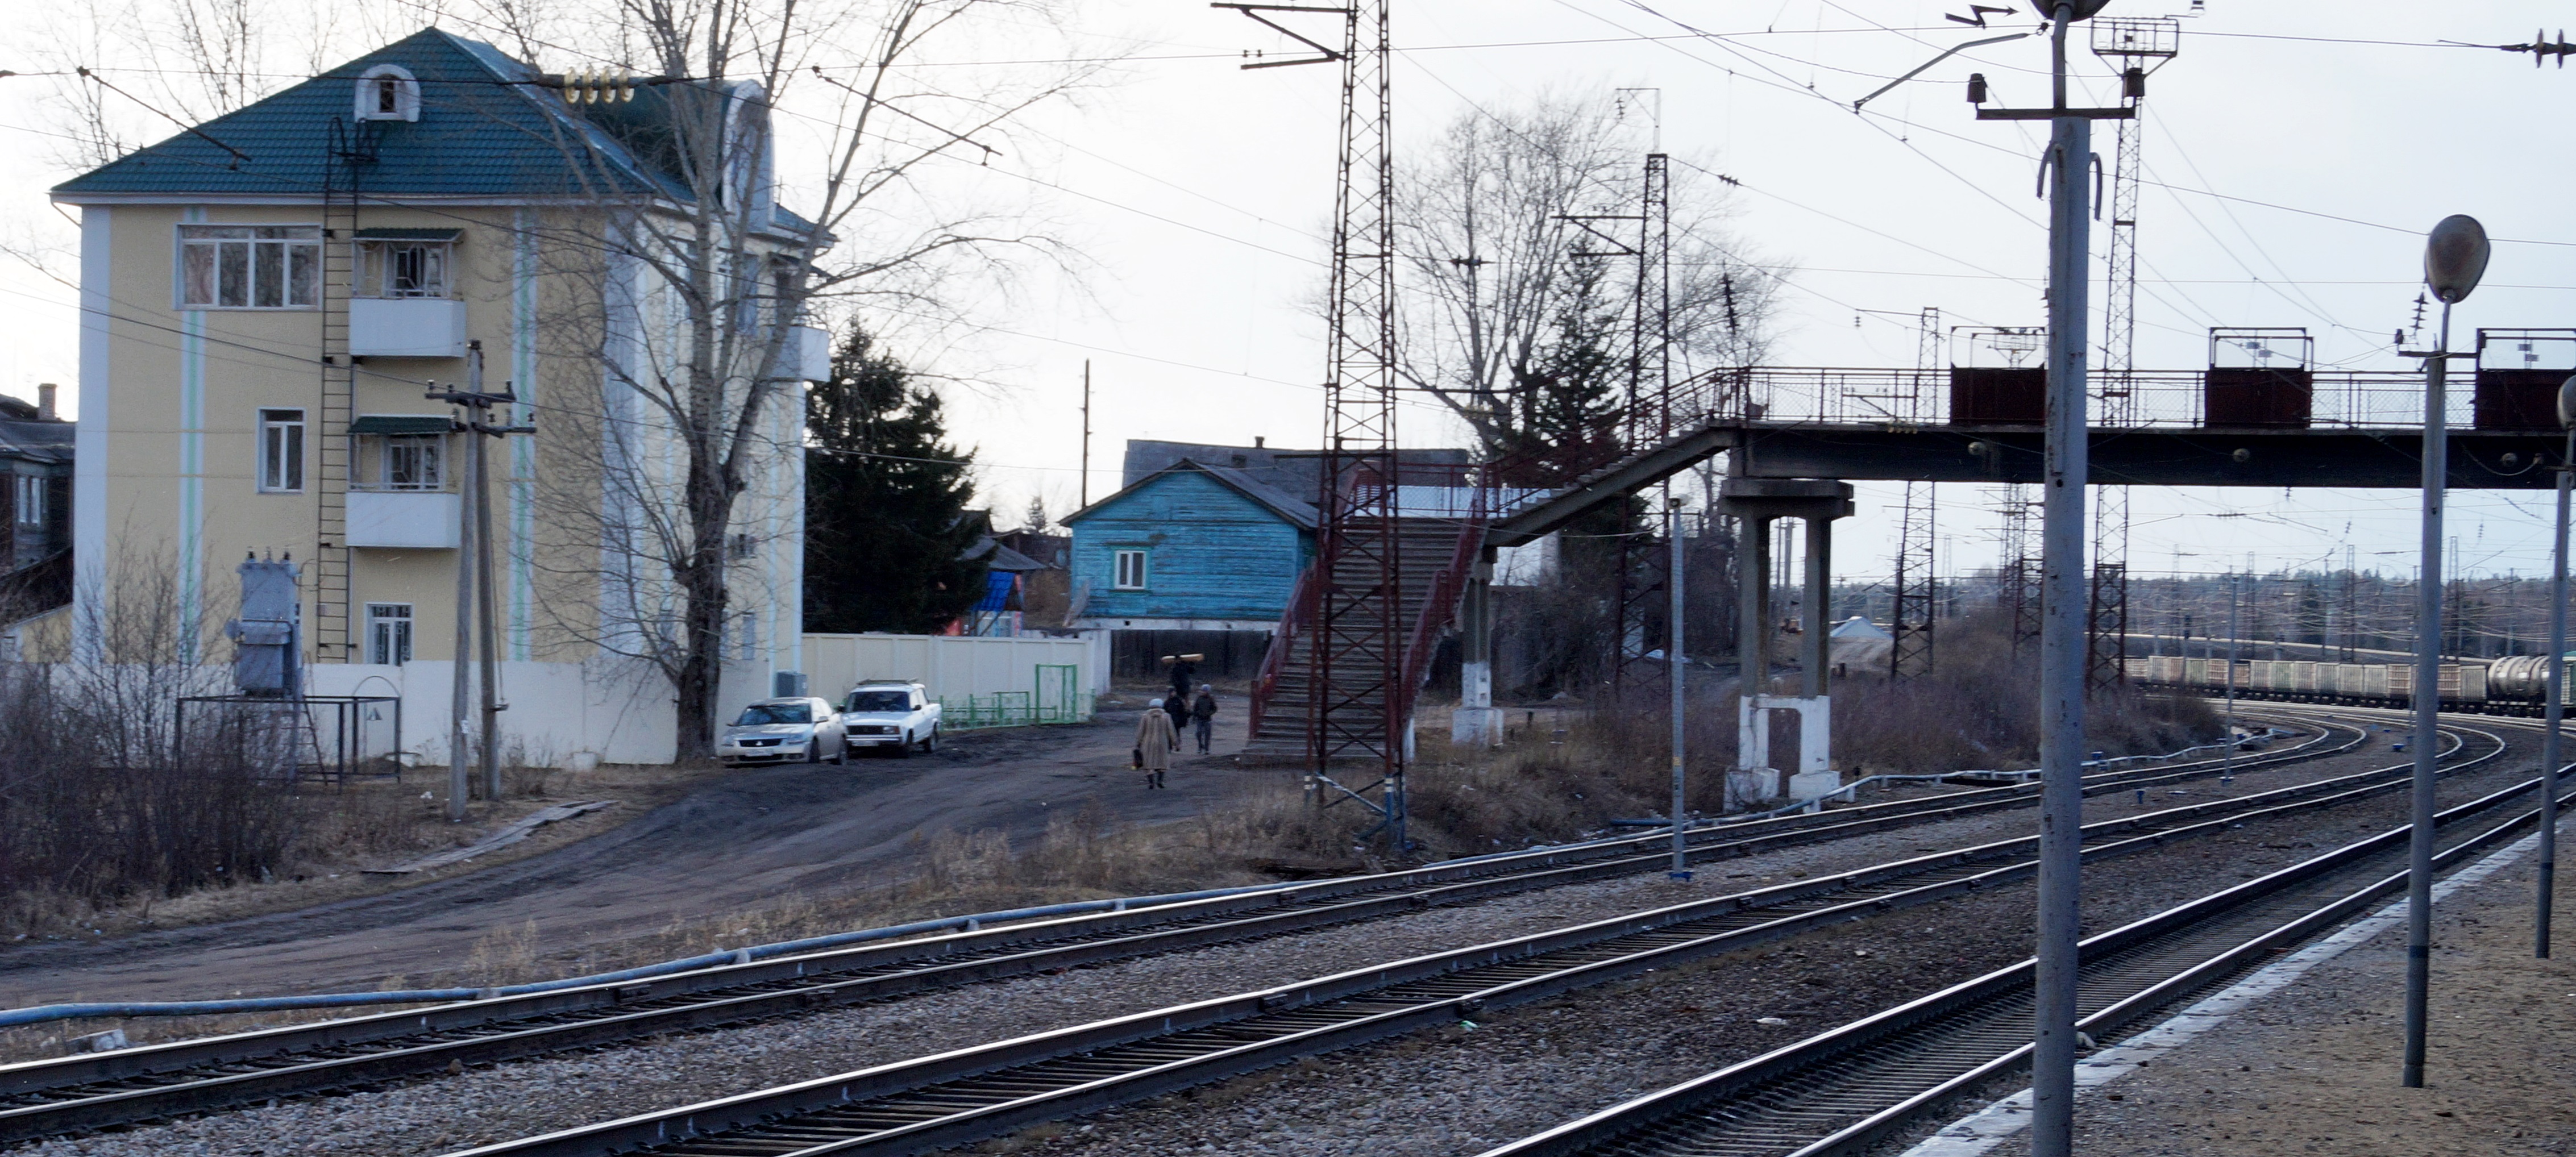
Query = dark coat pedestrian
x=1183 y=672
x=1203 y=716
x=1179 y=708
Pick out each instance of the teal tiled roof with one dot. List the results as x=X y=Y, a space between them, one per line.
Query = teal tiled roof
x=486 y=130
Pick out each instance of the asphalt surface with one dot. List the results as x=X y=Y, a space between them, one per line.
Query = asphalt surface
x=742 y=843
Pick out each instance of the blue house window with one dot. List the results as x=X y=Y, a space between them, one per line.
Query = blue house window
x=1130 y=574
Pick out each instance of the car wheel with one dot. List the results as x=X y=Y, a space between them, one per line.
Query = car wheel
x=841 y=752
x=814 y=750
x=930 y=743
x=903 y=750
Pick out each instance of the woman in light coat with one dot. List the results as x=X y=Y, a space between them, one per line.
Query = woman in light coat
x=1156 y=740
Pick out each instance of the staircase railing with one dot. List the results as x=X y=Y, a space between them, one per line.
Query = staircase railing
x=1440 y=602
x=1283 y=644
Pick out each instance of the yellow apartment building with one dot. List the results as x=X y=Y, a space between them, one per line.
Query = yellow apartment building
x=267 y=297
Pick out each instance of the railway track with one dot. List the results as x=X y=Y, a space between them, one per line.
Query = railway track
x=1844 y=1089
x=968 y=1094
x=94 y=1091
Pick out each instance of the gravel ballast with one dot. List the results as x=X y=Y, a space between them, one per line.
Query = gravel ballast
x=1527 y=1068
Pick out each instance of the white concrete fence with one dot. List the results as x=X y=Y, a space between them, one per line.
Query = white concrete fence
x=979 y=681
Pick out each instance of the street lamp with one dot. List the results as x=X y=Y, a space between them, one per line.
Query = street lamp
x=2455 y=257
x=2557 y=684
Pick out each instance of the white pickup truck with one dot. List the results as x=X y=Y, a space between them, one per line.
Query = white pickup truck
x=890 y=714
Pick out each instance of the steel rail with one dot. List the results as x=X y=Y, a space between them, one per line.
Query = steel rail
x=968 y=1094
x=1843 y=1090
x=98 y=1090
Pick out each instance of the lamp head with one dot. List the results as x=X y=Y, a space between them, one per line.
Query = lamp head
x=2567 y=403
x=2455 y=257
x=2083 y=8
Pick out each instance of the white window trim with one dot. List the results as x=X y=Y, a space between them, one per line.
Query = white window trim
x=372 y=266
x=380 y=478
x=1118 y=573
x=179 y=266
x=406 y=96
x=29 y=501
x=303 y=447
x=411 y=633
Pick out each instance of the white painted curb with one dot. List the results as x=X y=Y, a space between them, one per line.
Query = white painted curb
x=1986 y=1128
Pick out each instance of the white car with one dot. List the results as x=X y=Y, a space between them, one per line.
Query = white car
x=796 y=730
x=892 y=715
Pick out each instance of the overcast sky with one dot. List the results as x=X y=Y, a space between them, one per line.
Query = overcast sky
x=2295 y=152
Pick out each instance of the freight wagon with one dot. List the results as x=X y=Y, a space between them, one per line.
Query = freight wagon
x=2510 y=686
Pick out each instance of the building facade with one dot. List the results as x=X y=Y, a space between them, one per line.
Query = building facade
x=266 y=301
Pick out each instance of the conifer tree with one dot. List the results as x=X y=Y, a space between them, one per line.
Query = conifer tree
x=885 y=502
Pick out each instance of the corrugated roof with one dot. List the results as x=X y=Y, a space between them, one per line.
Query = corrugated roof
x=1295 y=510
x=37 y=440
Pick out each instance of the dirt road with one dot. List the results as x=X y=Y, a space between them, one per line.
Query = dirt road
x=742 y=843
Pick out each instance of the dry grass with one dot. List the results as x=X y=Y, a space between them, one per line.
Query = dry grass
x=1979 y=708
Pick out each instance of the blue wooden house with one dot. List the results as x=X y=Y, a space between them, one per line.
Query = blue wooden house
x=1189 y=547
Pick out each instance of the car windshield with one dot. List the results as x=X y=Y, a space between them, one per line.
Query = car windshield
x=759 y=714
x=880 y=701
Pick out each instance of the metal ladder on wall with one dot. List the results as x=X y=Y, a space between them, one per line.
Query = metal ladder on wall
x=334 y=638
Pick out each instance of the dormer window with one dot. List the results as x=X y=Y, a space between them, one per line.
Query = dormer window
x=388 y=92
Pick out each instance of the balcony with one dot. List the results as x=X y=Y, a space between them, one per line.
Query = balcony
x=410 y=519
x=808 y=353
x=406 y=327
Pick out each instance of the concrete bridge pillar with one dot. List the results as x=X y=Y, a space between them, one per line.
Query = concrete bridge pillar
x=1756 y=503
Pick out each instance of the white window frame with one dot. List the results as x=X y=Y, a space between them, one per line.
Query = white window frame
x=388 y=444
x=377 y=263
x=269 y=257
x=1129 y=570
x=369 y=99
x=389 y=636
x=30 y=504
x=281 y=451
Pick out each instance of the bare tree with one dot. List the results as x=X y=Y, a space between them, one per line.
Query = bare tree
x=692 y=278
x=1493 y=256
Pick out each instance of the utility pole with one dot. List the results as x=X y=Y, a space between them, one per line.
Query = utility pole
x=480 y=480
x=2063 y=643
x=1673 y=660
x=2455 y=258
x=2227 y=755
x=460 y=780
x=473 y=570
x=2553 y=715
x=1085 y=484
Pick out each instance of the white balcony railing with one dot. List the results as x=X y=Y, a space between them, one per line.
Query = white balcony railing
x=415 y=519
x=406 y=327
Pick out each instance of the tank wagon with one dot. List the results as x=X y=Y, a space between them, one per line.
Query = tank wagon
x=2511 y=686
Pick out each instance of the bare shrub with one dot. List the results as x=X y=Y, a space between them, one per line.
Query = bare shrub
x=1979 y=708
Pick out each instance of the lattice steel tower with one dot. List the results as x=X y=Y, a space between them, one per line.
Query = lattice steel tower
x=1645 y=565
x=2136 y=46
x=1355 y=662
x=1911 y=617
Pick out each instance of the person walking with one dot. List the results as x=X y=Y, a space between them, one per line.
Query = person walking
x=1178 y=705
x=1185 y=668
x=1155 y=743
x=1203 y=715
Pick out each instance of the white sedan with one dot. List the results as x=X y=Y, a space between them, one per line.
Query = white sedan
x=784 y=731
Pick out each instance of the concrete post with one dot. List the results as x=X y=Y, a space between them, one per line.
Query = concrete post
x=1752 y=780
x=1477 y=720
x=2062 y=642
x=1818 y=619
